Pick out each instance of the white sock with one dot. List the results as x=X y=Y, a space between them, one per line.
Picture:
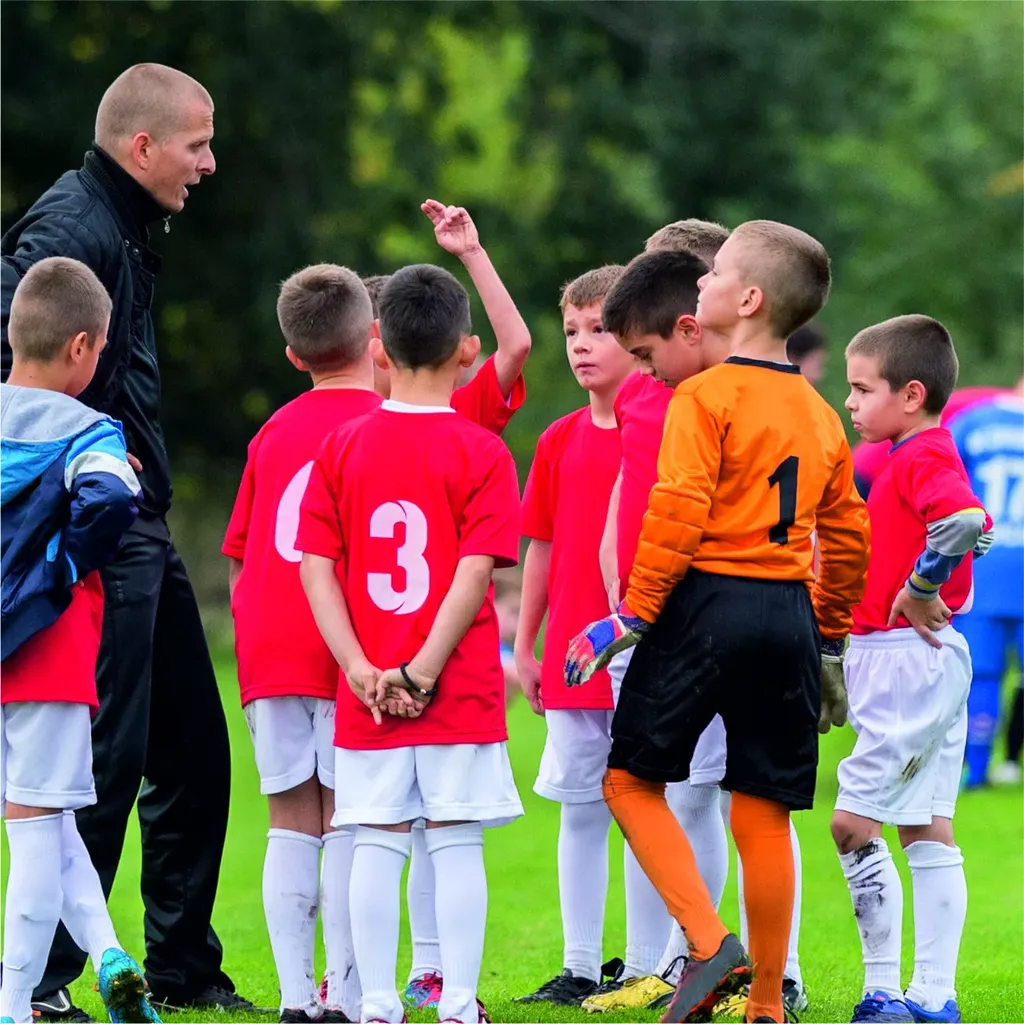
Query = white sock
x=342 y=977
x=420 y=896
x=877 y=896
x=672 y=961
x=373 y=899
x=291 y=897
x=792 y=970
x=698 y=811
x=940 y=908
x=32 y=910
x=84 y=910
x=457 y=853
x=583 y=884
x=647 y=920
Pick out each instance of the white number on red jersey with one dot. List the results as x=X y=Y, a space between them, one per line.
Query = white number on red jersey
x=286 y=529
x=408 y=557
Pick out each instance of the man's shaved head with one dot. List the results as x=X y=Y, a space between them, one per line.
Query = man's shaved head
x=151 y=98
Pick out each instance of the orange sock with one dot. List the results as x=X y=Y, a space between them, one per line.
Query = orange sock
x=761 y=830
x=664 y=852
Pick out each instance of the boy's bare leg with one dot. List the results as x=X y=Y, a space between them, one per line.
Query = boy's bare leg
x=877 y=896
x=291 y=891
x=33 y=903
x=343 y=990
x=380 y=853
x=940 y=909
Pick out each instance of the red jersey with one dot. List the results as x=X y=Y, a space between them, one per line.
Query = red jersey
x=59 y=663
x=566 y=503
x=640 y=408
x=923 y=481
x=481 y=400
x=279 y=649
x=397 y=499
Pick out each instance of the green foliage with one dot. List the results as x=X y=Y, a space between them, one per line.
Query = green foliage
x=571 y=131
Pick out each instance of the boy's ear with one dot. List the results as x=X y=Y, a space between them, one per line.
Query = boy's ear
x=375 y=328
x=687 y=329
x=752 y=301
x=295 y=360
x=377 y=353
x=915 y=395
x=469 y=350
x=78 y=346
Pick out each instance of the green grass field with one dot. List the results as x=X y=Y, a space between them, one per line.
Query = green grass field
x=524 y=932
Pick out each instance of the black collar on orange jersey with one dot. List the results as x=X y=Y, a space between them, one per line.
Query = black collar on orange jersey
x=766 y=363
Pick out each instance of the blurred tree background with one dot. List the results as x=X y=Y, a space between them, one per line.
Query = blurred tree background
x=570 y=129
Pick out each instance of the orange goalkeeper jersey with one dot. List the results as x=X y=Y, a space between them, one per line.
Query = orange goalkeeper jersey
x=752 y=463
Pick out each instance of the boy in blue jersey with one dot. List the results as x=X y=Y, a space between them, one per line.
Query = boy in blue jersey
x=990 y=439
x=67 y=494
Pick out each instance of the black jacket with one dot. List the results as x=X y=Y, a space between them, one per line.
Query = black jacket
x=101 y=215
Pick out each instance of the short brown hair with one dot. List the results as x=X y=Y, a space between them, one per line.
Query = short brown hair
x=790 y=267
x=57 y=299
x=590 y=287
x=656 y=289
x=374 y=286
x=701 y=237
x=325 y=315
x=913 y=347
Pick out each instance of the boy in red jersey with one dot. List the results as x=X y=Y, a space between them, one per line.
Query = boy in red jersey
x=406 y=514
x=908 y=671
x=68 y=496
x=563 y=514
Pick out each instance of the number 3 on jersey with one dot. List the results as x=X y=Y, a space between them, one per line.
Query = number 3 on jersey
x=409 y=557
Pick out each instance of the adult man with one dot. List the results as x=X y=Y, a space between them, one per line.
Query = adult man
x=160 y=717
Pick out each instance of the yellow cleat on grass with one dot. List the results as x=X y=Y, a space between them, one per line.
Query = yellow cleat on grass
x=645 y=993
x=732 y=1007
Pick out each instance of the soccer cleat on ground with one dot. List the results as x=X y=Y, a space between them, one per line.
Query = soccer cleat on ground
x=564 y=989
x=482 y=1016
x=794 y=997
x=6 y=1020
x=949 y=1013
x=123 y=989
x=878 y=1007
x=703 y=983
x=612 y=972
x=646 y=993
x=57 y=1006
x=424 y=992
x=213 y=997
x=333 y=1017
x=290 y=1016
x=794 y=1001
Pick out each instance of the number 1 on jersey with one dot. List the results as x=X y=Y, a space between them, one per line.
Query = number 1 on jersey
x=785 y=477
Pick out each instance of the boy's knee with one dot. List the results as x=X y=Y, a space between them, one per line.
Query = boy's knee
x=939 y=830
x=850 y=831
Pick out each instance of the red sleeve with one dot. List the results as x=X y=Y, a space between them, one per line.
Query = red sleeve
x=482 y=402
x=538 y=497
x=626 y=393
x=319 y=526
x=241 y=514
x=932 y=484
x=490 y=522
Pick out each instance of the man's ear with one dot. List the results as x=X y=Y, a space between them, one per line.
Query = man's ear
x=687 y=329
x=142 y=149
x=915 y=394
x=295 y=360
x=752 y=301
x=469 y=350
x=377 y=353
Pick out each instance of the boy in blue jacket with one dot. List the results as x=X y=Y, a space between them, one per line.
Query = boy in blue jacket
x=67 y=494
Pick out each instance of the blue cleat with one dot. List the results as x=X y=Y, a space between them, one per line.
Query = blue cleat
x=6 y=1020
x=950 y=1012
x=879 y=1007
x=123 y=989
x=424 y=992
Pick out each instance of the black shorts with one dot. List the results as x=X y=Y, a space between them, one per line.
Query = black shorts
x=746 y=649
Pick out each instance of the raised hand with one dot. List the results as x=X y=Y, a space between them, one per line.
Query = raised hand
x=453 y=228
x=600 y=642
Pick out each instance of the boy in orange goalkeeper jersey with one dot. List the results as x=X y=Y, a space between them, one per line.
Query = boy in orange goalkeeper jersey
x=732 y=620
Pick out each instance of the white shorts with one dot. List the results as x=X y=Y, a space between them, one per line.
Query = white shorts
x=46 y=755
x=908 y=707
x=294 y=740
x=436 y=782
x=707 y=766
x=575 y=755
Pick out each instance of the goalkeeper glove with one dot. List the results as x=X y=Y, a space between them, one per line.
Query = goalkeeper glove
x=834 y=702
x=600 y=641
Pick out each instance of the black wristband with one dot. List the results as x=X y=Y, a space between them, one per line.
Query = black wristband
x=413 y=686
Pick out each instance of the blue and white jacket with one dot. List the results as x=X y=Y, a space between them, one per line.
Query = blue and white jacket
x=67 y=494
